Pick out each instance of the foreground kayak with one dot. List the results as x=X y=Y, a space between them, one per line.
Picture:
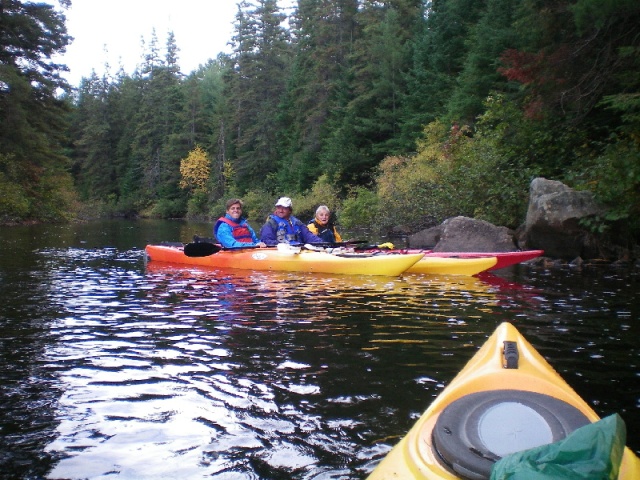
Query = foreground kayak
x=452 y=266
x=289 y=260
x=506 y=399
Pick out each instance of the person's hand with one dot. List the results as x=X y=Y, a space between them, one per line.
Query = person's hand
x=262 y=244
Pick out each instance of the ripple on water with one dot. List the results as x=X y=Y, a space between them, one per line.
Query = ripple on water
x=166 y=372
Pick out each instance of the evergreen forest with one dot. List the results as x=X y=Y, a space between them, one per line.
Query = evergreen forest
x=391 y=112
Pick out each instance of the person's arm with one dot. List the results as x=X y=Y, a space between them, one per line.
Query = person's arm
x=225 y=237
x=268 y=234
x=307 y=236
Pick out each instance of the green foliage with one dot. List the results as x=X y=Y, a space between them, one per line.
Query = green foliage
x=595 y=13
x=14 y=202
x=392 y=113
x=614 y=177
x=166 y=208
x=197 y=205
x=360 y=209
x=483 y=175
x=256 y=87
x=258 y=204
x=488 y=38
x=323 y=192
x=33 y=177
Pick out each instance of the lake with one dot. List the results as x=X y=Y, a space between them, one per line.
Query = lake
x=114 y=368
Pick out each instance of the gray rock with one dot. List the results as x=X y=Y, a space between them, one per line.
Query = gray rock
x=553 y=220
x=427 y=238
x=463 y=234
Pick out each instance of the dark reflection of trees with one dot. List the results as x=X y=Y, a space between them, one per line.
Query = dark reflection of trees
x=28 y=389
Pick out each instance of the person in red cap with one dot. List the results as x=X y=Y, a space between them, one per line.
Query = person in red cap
x=282 y=227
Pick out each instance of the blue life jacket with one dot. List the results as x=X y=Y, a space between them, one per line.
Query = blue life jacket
x=286 y=231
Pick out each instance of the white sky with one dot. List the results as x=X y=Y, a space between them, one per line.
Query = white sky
x=202 y=29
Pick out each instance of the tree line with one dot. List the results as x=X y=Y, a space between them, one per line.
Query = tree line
x=392 y=112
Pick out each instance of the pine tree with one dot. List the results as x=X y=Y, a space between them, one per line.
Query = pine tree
x=260 y=66
x=323 y=32
x=440 y=49
x=370 y=120
x=32 y=115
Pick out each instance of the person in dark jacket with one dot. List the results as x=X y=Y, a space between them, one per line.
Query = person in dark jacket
x=323 y=227
x=282 y=227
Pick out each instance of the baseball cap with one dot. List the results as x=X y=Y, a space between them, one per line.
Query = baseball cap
x=284 y=202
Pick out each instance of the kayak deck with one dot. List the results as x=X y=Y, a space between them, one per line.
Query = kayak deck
x=503 y=259
x=452 y=266
x=291 y=261
x=417 y=456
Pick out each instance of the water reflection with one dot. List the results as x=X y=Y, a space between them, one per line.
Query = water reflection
x=183 y=372
x=154 y=371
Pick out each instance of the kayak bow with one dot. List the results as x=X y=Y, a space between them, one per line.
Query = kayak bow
x=506 y=399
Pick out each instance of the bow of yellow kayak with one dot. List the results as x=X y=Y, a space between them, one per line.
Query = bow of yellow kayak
x=452 y=265
x=425 y=453
x=290 y=261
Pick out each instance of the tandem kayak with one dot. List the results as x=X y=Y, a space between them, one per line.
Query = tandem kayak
x=289 y=260
x=506 y=399
x=452 y=265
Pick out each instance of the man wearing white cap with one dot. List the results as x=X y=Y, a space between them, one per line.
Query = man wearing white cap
x=282 y=227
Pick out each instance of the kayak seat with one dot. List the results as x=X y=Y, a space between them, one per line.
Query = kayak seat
x=476 y=430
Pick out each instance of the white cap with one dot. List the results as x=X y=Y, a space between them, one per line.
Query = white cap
x=284 y=202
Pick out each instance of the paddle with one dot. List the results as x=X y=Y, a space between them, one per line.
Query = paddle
x=204 y=249
x=201 y=249
x=338 y=244
x=381 y=246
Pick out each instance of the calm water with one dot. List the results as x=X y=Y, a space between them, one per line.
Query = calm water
x=111 y=368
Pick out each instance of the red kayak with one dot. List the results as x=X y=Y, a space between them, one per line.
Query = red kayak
x=505 y=259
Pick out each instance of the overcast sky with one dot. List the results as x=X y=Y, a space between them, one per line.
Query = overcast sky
x=202 y=29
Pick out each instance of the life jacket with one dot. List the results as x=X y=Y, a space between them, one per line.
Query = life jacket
x=325 y=232
x=239 y=231
x=286 y=231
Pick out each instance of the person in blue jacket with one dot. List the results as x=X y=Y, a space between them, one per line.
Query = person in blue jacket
x=282 y=227
x=233 y=231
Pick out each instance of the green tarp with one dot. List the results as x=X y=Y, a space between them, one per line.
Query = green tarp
x=590 y=452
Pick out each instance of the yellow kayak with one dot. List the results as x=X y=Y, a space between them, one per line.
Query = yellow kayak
x=289 y=260
x=506 y=399
x=452 y=265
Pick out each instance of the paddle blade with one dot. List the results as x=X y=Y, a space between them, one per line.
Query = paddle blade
x=201 y=249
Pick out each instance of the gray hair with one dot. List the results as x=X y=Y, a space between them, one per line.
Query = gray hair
x=322 y=208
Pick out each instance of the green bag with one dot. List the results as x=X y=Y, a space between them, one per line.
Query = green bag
x=590 y=452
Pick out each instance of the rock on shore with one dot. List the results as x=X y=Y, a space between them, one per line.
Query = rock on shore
x=554 y=223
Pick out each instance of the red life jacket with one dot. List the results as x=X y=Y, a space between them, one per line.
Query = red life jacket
x=239 y=231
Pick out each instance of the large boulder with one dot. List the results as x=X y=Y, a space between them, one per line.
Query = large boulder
x=463 y=234
x=554 y=217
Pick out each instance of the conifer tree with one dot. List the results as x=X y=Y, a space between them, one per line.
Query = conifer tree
x=260 y=65
x=32 y=114
x=323 y=33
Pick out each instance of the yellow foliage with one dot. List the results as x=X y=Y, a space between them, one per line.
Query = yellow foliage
x=228 y=172
x=195 y=170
